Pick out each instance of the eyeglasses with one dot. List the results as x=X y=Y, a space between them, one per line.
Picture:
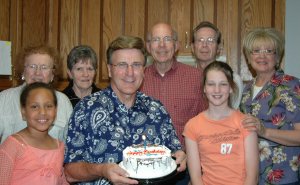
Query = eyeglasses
x=166 y=39
x=35 y=67
x=124 y=66
x=208 y=41
x=265 y=51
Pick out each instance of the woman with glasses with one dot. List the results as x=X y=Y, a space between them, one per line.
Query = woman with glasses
x=82 y=65
x=274 y=99
x=37 y=64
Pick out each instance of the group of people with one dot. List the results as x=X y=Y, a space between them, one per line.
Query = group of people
x=219 y=131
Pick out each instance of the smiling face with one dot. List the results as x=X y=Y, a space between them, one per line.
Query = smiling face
x=39 y=110
x=205 y=51
x=82 y=74
x=263 y=62
x=162 y=45
x=125 y=81
x=43 y=72
x=217 y=88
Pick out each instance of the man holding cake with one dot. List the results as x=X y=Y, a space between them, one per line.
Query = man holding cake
x=105 y=123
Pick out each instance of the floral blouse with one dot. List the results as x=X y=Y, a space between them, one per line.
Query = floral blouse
x=277 y=105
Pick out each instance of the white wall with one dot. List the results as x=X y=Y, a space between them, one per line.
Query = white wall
x=292 y=36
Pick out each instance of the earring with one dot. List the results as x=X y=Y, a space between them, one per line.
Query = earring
x=23 y=77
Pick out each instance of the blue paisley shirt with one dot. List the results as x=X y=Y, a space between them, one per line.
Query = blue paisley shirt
x=101 y=127
x=277 y=105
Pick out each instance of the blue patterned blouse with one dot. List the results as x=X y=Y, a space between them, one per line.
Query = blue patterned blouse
x=277 y=105
x=101 y=127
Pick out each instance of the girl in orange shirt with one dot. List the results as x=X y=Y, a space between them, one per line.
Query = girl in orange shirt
x=32 y=156
x=219 y=150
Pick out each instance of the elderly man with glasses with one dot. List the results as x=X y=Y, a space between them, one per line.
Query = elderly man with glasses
x=176 y=85
x=206 y=41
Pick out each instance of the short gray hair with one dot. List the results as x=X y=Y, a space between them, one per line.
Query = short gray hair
x=82 y=52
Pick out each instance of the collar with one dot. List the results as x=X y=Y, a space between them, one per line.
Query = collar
x=173 y=68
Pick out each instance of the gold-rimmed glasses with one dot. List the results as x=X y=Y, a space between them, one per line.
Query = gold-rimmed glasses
x=208 y=40
x=166 y=39
x=263 y=51
x=35 y=67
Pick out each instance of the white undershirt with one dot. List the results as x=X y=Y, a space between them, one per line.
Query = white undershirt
x=256 y=90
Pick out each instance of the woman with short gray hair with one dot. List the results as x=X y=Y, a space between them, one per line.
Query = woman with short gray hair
x=82 y=64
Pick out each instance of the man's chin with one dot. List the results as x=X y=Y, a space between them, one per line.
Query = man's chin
x=164 y=60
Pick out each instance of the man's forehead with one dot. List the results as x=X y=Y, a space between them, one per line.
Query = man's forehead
x=128 y=53
x=206 y=31
x=161 y=30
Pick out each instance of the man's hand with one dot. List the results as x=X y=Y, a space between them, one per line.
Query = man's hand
x=117 y=175
x=180 y=159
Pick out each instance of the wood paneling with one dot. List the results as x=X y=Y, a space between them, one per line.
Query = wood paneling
x=113 y=26
x=134 y=17
x=154 y=16
x=90 y=27
x=4 y=19
x=34 y=22
x=64 y=24
x=227 y=20
x=180 y=19
x=279 y=19
x=5 y=81
x=69 y=24
x=203 y=10
x=279 y=15
x=15 y=26
x=53 y=23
